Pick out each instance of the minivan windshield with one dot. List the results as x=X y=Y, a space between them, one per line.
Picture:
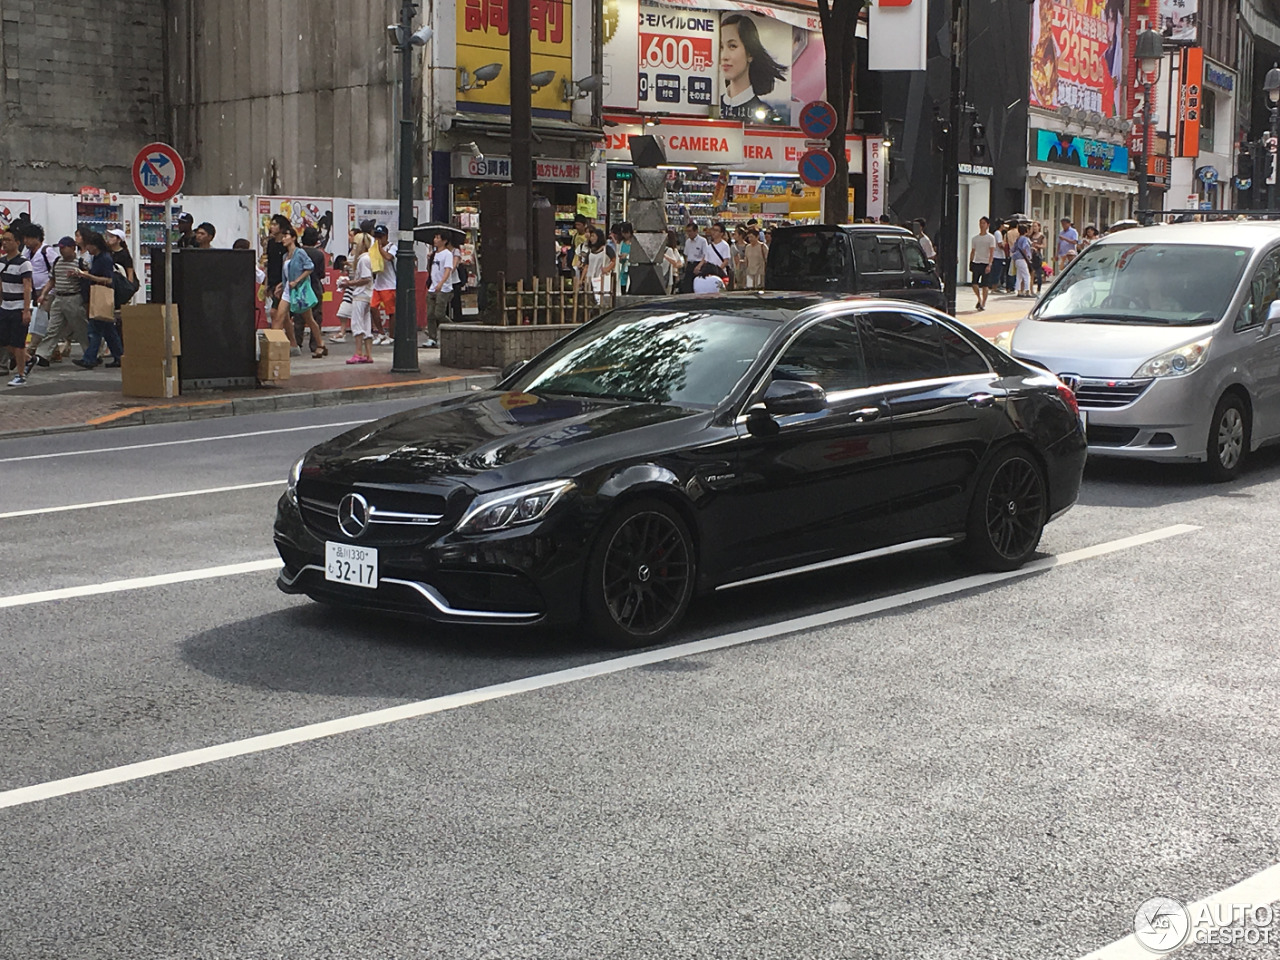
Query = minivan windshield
x=1174 y=284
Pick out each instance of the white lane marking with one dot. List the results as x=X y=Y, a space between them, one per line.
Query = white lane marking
x=139 y=583
x=175 y=443
x=1258 y=890
x=453 y=701
x=154 y=496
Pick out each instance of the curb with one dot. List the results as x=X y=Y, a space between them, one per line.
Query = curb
x=210 y=409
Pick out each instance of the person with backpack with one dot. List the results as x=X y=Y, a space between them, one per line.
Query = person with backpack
x=719 y=254
x=42 y=258
x=101 y=272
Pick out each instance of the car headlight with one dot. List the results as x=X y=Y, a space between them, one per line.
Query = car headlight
x=1176 y=363
x=504 y=509
x=1004 y=340
x=291 y=490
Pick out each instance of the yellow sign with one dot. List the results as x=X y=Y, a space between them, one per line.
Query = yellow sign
x=587 y=205
x=482 y=41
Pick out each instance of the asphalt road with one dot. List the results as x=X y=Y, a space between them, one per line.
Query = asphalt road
x=927 y=767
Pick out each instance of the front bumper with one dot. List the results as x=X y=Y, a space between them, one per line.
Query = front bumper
x=519 y=577
x=1169 y=420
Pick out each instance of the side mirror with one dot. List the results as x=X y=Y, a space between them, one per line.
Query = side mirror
x=510 y=370
x=785 y=397
x=1273 y=317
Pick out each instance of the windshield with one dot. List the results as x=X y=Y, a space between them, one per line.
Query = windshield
x=687 y=358
x=804 y=259
x=1147 y=283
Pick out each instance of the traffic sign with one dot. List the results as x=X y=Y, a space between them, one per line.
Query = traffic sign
x=817 y=119
x=158 y=172
x=817 y=167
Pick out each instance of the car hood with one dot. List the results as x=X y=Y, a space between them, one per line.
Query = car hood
x=1097 y=349
x=490 y=439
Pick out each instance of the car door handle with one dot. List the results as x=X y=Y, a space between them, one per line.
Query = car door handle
x=867 y=414
x=981 y=400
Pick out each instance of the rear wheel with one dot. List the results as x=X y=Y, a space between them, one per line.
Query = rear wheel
x=1008 y=512
x=1228 y=439
x=639 y=577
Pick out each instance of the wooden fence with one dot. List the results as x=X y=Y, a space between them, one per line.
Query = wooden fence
x=551 y=300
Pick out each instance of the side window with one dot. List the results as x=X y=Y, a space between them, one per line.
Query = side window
x=891 y=254
x=915 y=257
x=905 y=347
x=866 y=253
x=962 y=358
x=1263 y=289
x=828 y=354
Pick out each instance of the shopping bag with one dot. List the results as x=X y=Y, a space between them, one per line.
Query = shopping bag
x=102 y=302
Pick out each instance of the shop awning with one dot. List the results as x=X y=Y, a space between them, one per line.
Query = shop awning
x=499 y=125
x=1083 y=181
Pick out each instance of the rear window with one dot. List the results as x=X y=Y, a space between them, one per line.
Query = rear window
x=805 y=259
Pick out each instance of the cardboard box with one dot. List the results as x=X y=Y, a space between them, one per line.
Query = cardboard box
x=148 y=377
x=273 y=355
x=143 y=329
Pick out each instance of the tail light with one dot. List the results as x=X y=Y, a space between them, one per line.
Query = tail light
x=1069 y=398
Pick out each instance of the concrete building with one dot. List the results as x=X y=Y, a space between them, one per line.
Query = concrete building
x=83 y=88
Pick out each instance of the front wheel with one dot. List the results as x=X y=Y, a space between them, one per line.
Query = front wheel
x=639 y=578
x=1008 y=512
x=1228 y=439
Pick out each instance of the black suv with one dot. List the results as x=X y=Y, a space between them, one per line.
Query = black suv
x=867 y=258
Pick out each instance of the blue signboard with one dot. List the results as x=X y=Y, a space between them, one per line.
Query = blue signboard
x=1080 y=153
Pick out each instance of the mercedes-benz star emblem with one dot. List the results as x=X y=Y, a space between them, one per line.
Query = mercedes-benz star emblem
x=353 y=515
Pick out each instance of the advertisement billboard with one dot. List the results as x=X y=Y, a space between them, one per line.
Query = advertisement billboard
x=1179 y=19
x=1076 y=57
x=481 y=38
x=754 y=69
x=1080 y=153
x=677 y=60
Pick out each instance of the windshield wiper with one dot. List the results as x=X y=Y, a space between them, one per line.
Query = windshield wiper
x=1099 y=317
x=589 y=395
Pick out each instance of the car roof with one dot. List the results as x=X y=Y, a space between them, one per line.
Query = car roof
x=780 y=305
x=852 y=228
x=1224 y=233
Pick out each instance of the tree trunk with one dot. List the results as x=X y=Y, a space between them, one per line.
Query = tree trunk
x=839 y=20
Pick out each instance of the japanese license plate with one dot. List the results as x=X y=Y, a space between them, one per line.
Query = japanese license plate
x=352 y=565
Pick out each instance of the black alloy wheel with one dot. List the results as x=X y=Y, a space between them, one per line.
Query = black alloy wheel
x=1228 y=439
x=640 y=576
x=1008 y=512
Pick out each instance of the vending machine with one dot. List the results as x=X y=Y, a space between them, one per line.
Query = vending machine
x=101 y=211
x=149 y=236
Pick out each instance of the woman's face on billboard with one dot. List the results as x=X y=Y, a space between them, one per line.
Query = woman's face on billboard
x=734 y=62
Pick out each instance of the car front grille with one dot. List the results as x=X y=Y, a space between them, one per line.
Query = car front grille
x=395 y=516
x=1107 y=394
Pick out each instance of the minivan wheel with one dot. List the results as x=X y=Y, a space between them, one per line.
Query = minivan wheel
x=639 y=578
x=1228 y=439
x=1008 y=512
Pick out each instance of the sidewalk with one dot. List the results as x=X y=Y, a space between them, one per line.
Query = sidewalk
x=63 y=398
x=1003 y=312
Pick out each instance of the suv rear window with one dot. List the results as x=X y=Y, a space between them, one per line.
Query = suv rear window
x=806 y=259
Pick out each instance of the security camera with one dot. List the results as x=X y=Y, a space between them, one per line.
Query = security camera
x=393 y=31
x=421 y=37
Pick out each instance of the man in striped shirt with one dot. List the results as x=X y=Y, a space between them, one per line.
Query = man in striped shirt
x=68 y=318
x=15 y=303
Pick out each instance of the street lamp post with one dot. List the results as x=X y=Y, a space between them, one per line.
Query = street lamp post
x=1271 y=86
x=1148 y=51
x=404 y=357
x=949 y=238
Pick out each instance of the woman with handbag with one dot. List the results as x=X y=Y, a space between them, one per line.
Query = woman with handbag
x=97 y=286
x=298 y=293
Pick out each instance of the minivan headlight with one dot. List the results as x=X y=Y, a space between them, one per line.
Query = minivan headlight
x=504 y=509
x=1176 y=363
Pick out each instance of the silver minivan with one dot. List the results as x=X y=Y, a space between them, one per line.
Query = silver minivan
x=1169 y=338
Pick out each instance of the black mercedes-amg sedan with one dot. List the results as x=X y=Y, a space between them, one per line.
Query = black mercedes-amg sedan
x=688 y=445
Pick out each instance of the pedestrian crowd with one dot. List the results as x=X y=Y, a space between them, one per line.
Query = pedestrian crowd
x=600 y=261
x=1011 y=255
x=54 y=295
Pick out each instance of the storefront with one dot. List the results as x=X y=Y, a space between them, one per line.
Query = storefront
x=1083 y=179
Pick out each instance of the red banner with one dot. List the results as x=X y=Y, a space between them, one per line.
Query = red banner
x=1189 y=101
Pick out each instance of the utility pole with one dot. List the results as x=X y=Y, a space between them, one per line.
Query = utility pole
x=949 y=241
x=404 y=357
x=520 y=198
